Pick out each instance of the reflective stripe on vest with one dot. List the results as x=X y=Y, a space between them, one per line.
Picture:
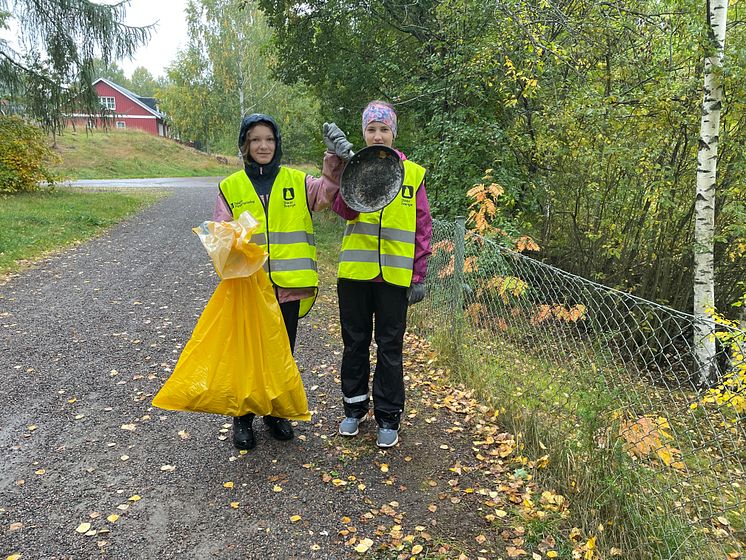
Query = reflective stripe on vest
x=383 y=242
x=290 y=241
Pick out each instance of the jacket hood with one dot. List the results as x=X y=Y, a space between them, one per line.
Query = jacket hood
x=251 y=166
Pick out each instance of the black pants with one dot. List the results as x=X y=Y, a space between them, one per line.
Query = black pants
x=359 y=304
x=290 y=316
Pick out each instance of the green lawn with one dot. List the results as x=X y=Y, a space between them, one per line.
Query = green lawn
x=133 y=154
x=37 y=223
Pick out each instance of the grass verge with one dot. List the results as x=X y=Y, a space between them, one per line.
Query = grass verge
x=565 y=415
x=36 y=223
x=129 y=154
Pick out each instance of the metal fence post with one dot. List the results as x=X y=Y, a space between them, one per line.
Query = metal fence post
x=458 y=269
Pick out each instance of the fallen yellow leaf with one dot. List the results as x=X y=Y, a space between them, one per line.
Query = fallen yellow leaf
x=364 y=545
x=135 y=498
x=14 y=557
x=416 y=549
x=234 y=505
x=228 y=484
x=277 y=488
x=295 y=518
x=112 y=518
x=83 y=528
x=384 y=467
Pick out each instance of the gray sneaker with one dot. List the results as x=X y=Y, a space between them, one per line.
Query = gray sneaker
x=387 y=437
x=349 y=426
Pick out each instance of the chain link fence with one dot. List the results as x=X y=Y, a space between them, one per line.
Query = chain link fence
x=605 y=385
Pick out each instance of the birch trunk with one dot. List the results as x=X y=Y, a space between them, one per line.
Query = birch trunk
x=704 y=221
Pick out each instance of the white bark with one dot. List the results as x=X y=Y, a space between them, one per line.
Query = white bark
x=704 y=209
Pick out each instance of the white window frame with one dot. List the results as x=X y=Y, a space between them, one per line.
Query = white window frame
x=108 y=102
x=121 y=124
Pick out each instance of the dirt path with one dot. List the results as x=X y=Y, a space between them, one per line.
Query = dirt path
x=89 y=336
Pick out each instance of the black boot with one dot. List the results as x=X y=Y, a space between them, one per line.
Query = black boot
x=279 y=428
x=243 y=434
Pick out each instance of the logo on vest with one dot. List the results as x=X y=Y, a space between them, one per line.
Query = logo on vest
x=407 y=191
x=288 y=193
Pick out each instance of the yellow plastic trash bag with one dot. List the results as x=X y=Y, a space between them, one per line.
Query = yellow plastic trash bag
x=238 y=359
x=230 y=248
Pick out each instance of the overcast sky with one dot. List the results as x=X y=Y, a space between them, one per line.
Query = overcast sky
x=169 y=36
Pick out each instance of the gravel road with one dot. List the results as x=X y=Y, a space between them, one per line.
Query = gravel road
x=88 y=336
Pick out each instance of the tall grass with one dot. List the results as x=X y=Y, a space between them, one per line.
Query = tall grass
x=604 y=487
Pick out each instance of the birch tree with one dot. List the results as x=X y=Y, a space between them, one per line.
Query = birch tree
x=704 y=206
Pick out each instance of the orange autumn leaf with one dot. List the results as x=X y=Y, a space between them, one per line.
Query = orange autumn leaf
x=448 y=269
x=525 y=243
x=495 y=190
x=542 y=314
x=470 y=264
x=646 y=437
x=443 y=245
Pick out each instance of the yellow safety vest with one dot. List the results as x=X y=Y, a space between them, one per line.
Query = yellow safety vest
x=383 y=242
x=285 y=229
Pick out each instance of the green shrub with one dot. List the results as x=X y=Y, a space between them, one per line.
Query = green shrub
x=24 y=156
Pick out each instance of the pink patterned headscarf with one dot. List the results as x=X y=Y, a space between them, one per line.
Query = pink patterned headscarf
x=379 y=112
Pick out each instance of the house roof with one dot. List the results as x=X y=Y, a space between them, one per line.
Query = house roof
x=151 y=102
x=147 y=103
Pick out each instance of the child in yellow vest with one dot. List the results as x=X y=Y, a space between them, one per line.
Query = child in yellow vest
x=281 y=199
x=382 y=270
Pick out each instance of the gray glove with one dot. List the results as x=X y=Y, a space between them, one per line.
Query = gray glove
x=415 y=293
x=336 y=141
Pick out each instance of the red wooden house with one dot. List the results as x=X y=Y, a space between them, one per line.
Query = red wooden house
x=126 y=110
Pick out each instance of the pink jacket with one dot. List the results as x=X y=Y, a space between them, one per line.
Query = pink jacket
x=320 y=192
x=422 y=236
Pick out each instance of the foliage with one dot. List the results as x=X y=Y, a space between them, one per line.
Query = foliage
x=25 y=157
x=587 y=112
x=730 y=392
x=110 y=71
x=50 y=73
x=143 y=83
x=224 y=74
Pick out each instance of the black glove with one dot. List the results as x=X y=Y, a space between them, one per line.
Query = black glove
x=415 y=293
x=336 y=141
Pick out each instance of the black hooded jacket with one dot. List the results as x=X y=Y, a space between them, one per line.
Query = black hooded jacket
x=261 y=176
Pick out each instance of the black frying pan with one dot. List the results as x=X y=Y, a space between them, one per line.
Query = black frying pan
x=372 y=178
